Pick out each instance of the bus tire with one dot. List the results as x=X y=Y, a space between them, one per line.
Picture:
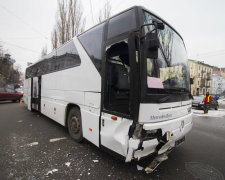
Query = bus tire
x=74 y=124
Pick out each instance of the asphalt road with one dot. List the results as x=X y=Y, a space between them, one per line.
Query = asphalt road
x=34 y=147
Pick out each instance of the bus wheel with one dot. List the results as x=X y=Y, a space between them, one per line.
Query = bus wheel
x=74 y=124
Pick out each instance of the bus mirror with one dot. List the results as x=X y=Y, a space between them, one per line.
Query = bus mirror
x=191 y=81
x=151 y=45
x=160 y=26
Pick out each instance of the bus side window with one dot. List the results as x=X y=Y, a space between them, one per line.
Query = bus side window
x=92 y=42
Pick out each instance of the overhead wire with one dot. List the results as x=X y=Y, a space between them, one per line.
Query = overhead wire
x=119 y=4
x=8 y=38
x=34 y=29
x=206 y=53
x=27 y=49
x=209 y=54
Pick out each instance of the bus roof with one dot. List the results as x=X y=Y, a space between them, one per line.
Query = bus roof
x=133 y=7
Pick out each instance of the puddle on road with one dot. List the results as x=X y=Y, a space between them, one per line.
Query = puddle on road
x=203 y=171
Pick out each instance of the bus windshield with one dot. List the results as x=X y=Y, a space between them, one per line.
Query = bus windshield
x=170 y=69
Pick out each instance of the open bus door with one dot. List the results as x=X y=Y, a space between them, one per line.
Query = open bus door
x=120 y=94
x=36 y=93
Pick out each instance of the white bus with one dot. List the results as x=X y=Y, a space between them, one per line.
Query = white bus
x=123 y=85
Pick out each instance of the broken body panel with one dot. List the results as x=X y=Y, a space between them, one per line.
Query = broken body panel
x=149 y=137
x=171 y=131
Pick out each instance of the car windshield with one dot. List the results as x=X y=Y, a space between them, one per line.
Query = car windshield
x=170 y=69
x=199 y=98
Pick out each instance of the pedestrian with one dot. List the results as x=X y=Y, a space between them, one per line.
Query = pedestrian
x=217 y=97
x=207 y=101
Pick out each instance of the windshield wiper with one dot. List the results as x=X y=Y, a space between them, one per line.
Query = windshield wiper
x=164 y=56
x=165 y=98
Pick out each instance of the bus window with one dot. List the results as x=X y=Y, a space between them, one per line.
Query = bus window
x=92 y=42
x=118 y=93
x=123 y=23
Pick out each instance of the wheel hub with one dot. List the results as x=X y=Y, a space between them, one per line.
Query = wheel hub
x=75 y=125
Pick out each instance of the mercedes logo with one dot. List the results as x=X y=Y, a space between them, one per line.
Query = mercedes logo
x=182 y=125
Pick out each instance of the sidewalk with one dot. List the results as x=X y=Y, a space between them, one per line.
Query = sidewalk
x=212 y=113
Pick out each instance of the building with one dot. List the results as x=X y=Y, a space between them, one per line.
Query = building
x=201 y=74
x=218 y=83
x=219 y=72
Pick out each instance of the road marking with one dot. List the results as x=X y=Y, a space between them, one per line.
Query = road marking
x=57 y=139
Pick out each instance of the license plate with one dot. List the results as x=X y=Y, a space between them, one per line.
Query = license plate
x=178 y=142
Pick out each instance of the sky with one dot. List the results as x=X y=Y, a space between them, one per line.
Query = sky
x=26 y=25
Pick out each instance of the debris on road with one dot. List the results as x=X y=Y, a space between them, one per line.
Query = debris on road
x=57 y=139
x=68 y=164
x=51 y=172
x=95 y=161
x=33 y=144
x=139 y=168
x=20 y=121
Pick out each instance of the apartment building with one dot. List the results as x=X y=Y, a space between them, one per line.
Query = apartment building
x=201 y=74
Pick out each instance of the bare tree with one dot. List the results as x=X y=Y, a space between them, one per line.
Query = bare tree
x=55 y=41
x=77 y=23
x=1 y=51
x=69 y=22
x=105 y=13
x=44 y=51
x=61 y=21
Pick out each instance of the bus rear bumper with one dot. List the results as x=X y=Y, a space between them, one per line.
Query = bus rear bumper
x=172 y=133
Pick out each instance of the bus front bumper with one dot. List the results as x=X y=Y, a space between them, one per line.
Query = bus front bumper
x=172 y=134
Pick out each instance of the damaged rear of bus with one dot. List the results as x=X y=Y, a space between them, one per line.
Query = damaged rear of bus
x=146 y=102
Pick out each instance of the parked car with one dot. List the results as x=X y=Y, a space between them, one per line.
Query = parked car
x=197 y=102
x=10 y=94
x=19 y=90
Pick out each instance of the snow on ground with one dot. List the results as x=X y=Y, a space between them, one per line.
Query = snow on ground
x=211 y=113
x=221 y=101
